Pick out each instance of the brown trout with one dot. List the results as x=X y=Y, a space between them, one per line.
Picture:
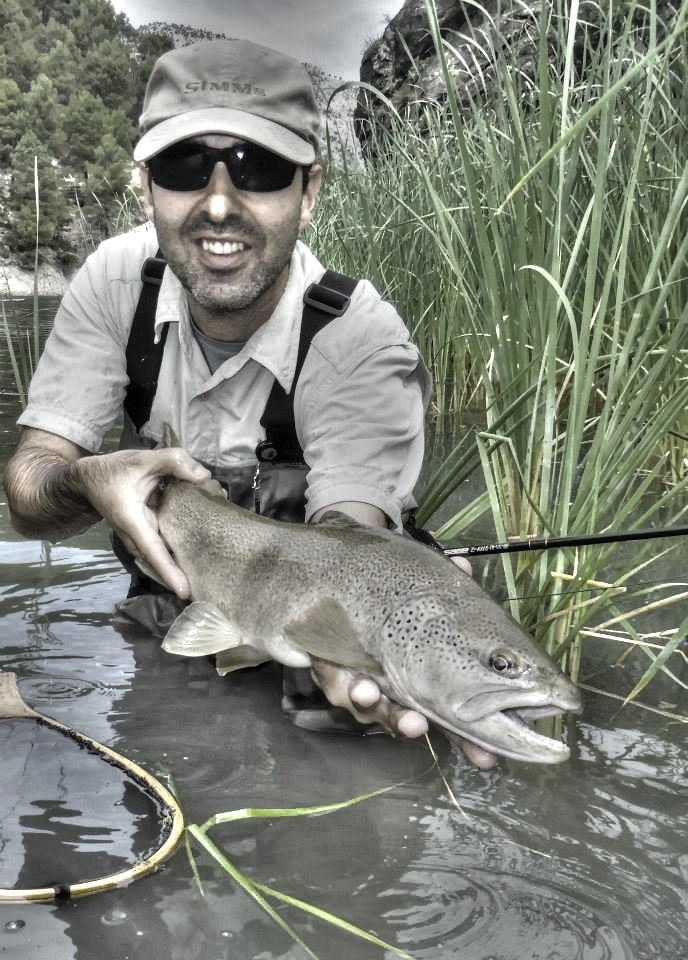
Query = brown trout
x=364 y=598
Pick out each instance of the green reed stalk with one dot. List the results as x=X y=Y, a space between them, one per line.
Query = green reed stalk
x=24 y=346
x=535 y=242
x=36 y=323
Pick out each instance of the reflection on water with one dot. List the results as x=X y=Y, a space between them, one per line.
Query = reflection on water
x=585 y=861
x=93 y=823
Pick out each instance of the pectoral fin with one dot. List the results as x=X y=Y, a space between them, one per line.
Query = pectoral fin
x=328 y=632
x=199 y=630
x=239 y=657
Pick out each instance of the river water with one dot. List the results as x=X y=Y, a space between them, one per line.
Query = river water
x=583 y=861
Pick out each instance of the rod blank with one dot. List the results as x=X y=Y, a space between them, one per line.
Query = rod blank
x=554 y=543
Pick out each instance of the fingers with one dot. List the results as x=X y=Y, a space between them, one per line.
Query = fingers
x=477 y=756
x=153 y=550
x=372 y=706
x=176 y=462
x=362 y=697
x=122 y=485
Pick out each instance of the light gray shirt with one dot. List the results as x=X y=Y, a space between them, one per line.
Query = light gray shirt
x=359 y=403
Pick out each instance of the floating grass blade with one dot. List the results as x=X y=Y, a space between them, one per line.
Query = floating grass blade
x=246 y=884
x=259 y=892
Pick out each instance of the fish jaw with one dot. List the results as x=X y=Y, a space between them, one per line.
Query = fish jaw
x=504 y=728
x=507 y=732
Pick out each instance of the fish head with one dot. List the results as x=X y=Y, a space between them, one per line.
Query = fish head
x=178 y=502
x=472 y=670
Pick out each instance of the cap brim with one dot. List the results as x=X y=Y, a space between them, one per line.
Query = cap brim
x=233 y=123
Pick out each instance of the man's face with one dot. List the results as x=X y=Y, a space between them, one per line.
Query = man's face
x=231 y=248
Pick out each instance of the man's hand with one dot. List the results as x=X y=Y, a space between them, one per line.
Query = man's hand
x=123 y=486
x=362 y=697
x=55 y=489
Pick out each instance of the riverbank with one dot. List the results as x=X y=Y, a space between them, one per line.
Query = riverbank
x=15 y=282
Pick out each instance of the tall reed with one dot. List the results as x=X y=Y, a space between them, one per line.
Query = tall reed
x=536 y=242
x=23 y=343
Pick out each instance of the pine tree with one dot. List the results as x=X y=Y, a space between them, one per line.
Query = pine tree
x=72 y=77
x=41 y=111
x=11 y=127
x=62 y=63
x=31 y=163
x=108 y=74
x=108 y=176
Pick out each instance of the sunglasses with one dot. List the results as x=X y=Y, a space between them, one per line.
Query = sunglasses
x=190 y=166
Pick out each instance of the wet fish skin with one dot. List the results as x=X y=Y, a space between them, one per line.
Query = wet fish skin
x=364 y=598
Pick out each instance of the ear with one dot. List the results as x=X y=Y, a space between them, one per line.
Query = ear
x=146 y=190
x=309 y=198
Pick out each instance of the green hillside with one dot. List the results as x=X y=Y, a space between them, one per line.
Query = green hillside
x=72 y=83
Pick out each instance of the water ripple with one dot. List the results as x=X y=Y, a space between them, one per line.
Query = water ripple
x=488 y=915
x=42 y=691
x=575 y=863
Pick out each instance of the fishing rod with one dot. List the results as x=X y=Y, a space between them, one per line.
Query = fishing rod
x=553 y=543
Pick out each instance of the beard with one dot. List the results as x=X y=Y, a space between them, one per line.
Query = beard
x=218 y=293
x=221 y=291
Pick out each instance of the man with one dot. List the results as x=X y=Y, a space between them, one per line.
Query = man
x=229 y=139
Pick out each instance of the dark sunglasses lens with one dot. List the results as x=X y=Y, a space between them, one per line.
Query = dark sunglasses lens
x=188 y=167
x=180 y=168
x=252 y=168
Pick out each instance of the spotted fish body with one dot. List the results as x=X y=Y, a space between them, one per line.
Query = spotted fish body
x=363 y=598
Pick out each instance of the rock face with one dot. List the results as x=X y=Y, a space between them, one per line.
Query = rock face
x=403 y=65
x=15 y=282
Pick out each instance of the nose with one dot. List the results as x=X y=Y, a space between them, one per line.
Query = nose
x=221 y=192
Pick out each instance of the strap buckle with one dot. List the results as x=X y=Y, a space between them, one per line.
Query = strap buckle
x=152 y=270
x=326 y=299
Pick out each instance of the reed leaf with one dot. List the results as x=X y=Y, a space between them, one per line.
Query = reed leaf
x=259 y=892
x=535 y=240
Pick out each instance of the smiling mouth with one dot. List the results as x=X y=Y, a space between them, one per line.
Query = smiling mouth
x=223 y=248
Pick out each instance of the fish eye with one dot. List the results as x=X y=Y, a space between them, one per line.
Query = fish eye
x=502 y=662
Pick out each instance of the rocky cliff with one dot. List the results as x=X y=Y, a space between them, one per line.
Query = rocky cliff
x=403 y=63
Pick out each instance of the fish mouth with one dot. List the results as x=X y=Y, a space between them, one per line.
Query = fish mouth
x=509 y=732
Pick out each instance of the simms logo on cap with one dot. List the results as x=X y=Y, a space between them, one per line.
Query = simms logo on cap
x=224 y=86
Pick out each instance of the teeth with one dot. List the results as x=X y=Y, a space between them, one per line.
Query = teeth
x=222 y=247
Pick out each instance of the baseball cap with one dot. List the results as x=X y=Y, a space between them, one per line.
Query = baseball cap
x=231 y=87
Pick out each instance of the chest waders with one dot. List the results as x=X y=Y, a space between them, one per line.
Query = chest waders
x=276 y=485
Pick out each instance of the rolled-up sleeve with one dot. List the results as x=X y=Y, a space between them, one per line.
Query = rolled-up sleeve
x=79 y=383
x=360 y=407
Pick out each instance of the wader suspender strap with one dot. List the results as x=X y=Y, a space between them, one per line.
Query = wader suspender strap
x=322 y=302
x=144 y=355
